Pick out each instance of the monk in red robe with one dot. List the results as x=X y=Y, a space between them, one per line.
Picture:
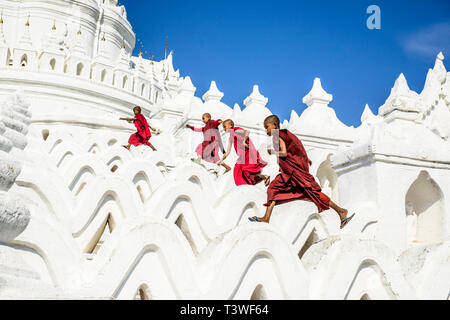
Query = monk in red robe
x=294 y=181
x=249 y=165
x=208 y=150
x=143 y=134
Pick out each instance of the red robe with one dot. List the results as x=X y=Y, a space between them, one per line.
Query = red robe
x=208 y=149
x=143 y=134
x=249 y=163
x=294 y=181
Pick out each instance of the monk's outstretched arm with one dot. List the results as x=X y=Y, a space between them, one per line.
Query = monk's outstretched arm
x=283 y=151
x=194 y=128
x=230 y=142
x=246 y=135
x=128 y=119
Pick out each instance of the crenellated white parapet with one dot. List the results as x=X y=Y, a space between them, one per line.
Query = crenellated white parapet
x=213 y=105
x=402 y=104
x=256 y=111
x=317 y=97
x=319 y=119
x=24 y=53
x=434 y=98
x=187 y=88
x=78 y=62
x=213 y=94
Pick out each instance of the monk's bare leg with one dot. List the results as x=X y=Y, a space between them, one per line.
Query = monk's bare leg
x=227 y=167
x=264 y=178
x=269 y=210
x=151 y=146
x=127 y=147
x=340 y=211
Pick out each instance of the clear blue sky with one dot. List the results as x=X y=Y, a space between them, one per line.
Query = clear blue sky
x=283 y=45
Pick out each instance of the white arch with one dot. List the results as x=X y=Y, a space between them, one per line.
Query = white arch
x=424 y=208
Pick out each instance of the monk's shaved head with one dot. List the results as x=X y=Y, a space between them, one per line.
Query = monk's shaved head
x=207 y=115
x=230 y=122
x=138 y=109
x=273 y=120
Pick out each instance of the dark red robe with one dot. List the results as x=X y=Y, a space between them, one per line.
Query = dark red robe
x=249 y=164
x=143 y=134
x=294 y=181
x=209 y=148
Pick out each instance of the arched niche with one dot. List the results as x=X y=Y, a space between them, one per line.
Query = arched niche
x=143 y=293
x=259 y=293
x=24 y=61
x=328 y=179
x=103 y=76
x=52 y=64
x=182 y=224
x=424 y=209
x=80 y=68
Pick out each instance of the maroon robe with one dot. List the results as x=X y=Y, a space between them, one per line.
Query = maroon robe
x=143 y=134
x=208 y=149
x=294 y=181
x=249 y=164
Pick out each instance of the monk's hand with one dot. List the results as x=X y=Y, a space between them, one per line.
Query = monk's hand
x=188 y=126
x=269 y=151
x=310 y=162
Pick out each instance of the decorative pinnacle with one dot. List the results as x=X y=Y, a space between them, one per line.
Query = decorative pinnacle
x=103 y=38
x=79 y=31
x=140 y=52
x=1 y=17
x=54 y=25
x=28 y=21
x=123 y=43
x=151 y=62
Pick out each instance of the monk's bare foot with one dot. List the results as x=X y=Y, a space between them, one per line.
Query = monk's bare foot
x=227 y=169
x=266 y=180
x=256 y=219
x=343 y=214
x=126 y=147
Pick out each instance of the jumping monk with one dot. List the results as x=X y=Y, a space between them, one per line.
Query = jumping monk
x=249 y=165
x=208 y=150
x=143 y=134
x=294 y=181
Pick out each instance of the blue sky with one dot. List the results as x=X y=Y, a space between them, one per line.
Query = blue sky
x=283 y=45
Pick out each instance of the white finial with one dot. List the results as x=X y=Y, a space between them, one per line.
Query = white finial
x=367 y=114
x=440 y=56
x=317 y=96
x=256 y=98
x=213 y=93
x=401 y=85
x=187 y=88
x=294 y=117
x=236 y=110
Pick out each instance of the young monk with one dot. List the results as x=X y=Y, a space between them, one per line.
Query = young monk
x=208 y=150
x=249 y=164
x=294 y=181
x=143 y=134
